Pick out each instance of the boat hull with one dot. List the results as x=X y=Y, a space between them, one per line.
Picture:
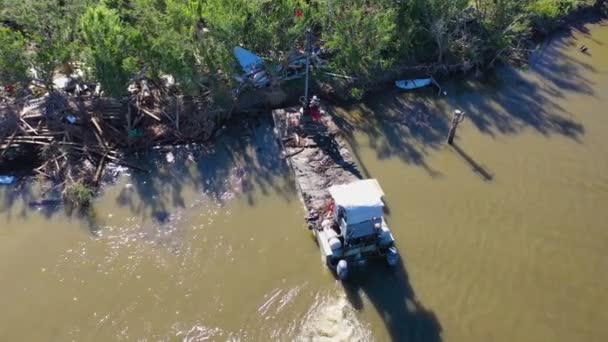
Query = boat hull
x=413 y=84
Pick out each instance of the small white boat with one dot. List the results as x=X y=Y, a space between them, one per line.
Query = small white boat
x=413 y=84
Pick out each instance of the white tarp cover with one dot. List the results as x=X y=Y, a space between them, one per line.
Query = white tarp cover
x=361 y=200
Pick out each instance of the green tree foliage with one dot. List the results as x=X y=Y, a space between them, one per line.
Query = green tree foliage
x=107 y=51
x=361 y=34
x=52 y=26
x=13 y=68
x=193 y=40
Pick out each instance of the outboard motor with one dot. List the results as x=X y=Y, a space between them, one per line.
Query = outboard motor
x=392 y=256
x=342 y=269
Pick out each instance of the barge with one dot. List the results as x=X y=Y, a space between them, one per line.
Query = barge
x=344 y=211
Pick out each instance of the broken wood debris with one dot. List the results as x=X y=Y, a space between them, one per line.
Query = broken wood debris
x=76 y=134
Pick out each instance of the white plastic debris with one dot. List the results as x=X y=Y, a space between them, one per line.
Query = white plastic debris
x=71 y=119
x=170 y=158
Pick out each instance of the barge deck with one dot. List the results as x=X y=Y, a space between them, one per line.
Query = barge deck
x=318 y=156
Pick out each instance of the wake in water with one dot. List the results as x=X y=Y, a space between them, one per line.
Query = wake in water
x=332 y=319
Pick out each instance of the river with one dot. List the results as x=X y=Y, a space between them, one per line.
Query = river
x=502 y=238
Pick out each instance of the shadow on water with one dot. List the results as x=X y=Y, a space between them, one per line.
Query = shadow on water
x=520 y=100
x=477 y=168
x=393 y=297
x=411 y=126
x=27 y=197
x=243 y=162
x=390 y=134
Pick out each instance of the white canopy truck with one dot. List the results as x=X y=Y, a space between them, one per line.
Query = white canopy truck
x=355 y=230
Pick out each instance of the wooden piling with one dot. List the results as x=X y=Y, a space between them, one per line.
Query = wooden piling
x=456 y=120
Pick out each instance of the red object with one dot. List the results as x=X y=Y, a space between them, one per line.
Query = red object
x=9 y=88
x=315 y=113
x=298 y=13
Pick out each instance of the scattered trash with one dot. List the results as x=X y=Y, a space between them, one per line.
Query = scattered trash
x=71 y=118
x=6 y=180
x=170 y=158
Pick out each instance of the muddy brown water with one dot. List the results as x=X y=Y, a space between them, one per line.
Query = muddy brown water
x=503 y=238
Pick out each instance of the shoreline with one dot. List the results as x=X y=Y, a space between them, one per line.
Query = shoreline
x=257 y=102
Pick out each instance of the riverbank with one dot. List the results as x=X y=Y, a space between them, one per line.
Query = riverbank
x=74 y=137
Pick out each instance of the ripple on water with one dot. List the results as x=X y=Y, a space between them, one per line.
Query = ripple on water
x=277 y=300
x=197 y=333
x=332 y=319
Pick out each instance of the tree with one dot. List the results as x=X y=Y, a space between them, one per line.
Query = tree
x=441 y=19
x=361 y=35
x=107 y=49
x=13 y=66
x=164 y=38
x=52 y=26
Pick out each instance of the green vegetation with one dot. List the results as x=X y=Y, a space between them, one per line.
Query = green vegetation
x=79 y=194
x=192 y=40
x=13 y=68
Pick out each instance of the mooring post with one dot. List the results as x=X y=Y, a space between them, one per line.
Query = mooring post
x=457 y=119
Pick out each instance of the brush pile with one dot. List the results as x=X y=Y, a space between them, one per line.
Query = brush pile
x=74 y=133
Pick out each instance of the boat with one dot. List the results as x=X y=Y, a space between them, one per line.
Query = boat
x=344 y=212
x=413 y=84
x=356 y=229
x=249 y=61
x=253 y=65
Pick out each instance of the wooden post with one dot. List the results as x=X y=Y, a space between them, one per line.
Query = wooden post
x=457 y=119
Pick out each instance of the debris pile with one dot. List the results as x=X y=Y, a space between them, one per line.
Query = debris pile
x=75 y=132
x=318 y=156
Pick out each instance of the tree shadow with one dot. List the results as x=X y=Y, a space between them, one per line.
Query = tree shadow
x=477 y=168
x=390 y=135
x=508 y=101
x=25 y=196
x=243 y=161
x=392 y=295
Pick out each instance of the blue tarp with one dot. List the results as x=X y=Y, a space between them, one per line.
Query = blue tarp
x=248 y=60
